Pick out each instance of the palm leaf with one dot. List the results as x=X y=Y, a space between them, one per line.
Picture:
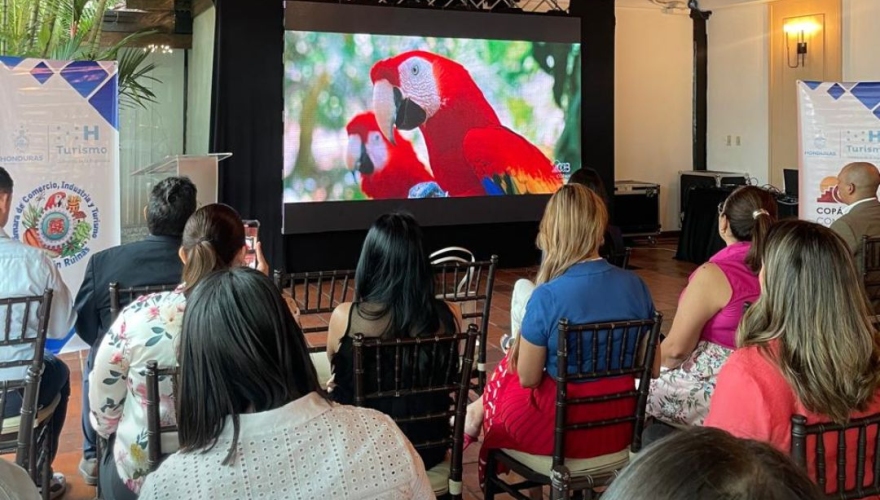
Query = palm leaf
x=134 y=71
x=71 y=30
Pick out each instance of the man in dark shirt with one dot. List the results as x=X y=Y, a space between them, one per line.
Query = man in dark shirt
x=151 y=261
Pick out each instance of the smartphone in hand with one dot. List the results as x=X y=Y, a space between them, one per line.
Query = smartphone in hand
x=251 y=229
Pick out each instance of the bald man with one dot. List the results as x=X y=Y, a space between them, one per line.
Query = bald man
x=857 y=186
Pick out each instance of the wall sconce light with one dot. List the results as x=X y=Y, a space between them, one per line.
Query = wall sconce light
x=798 y=30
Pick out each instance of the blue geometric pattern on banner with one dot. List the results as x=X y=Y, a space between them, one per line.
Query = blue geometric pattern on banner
x=84 y=76
x=836 y=91
x=868 y=93
x=42 y=72
x=11 y=62
x=877 y=112
x=813 y=85
x=847 y=85
x=105 y=102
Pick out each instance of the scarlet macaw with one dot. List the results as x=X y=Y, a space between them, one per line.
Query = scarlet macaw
x=388 y=170
x=471 y=152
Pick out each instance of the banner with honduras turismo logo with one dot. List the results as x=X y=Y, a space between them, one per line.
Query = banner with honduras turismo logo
x=839 y=124
x=59 y=142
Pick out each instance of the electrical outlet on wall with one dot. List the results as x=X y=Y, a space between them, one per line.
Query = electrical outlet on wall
x=728 y=140
x=738 y=141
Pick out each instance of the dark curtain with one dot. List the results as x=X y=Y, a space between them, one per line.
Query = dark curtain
x=246 y=113
x=699 y=239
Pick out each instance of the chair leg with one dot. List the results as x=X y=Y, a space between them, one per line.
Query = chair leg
x=100 y=444
x=491 y=477
x=46 y=468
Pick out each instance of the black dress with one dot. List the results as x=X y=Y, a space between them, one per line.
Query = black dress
x=343 y=389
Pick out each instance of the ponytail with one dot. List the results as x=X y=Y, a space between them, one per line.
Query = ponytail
x=751 y=211
x=212 y=240
x=201 y=260
x=761 y=227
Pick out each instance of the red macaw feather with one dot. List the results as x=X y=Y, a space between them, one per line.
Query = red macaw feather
x=510 y=161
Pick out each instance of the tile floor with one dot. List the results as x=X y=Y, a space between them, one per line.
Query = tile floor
x=664 y=276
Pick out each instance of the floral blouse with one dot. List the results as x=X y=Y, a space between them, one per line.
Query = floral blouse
x=145 y=330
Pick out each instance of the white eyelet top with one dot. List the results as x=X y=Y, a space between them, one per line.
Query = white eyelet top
x=309 y=448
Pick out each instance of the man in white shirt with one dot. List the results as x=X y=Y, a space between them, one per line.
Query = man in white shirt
x=28 y=271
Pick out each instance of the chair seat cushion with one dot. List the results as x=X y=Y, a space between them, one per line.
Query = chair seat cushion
x=439 y=477
x=11 y=425
x=604 y=464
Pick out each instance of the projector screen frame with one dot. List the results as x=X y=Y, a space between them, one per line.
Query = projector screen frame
x=327 y=216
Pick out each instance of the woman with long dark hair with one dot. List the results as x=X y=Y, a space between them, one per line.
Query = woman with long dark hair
x=253 y=421
x=394 y=284
x=807 y=346
x=147 y=329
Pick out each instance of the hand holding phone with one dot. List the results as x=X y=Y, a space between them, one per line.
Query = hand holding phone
x=251 y=230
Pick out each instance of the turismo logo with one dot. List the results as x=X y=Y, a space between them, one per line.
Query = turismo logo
x=828 y=192
x=58 y=218
x=78 y=141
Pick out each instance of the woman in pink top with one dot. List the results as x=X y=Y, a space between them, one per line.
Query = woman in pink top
x=807 y=346
x=709 y=309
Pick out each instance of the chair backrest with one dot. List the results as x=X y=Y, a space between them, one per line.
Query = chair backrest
x=596 y=358
x=317 y=292
x=155 y=429
x=32 y=335
x=820 y=435
x=469 y=283
x=445 y=368
x=870 y=267
x=121 y=297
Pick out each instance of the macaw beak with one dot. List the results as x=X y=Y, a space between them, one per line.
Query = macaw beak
x=364 y=164
x=393 y=109
x=385 y=108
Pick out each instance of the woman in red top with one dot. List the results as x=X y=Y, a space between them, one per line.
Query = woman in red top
x=807 y=347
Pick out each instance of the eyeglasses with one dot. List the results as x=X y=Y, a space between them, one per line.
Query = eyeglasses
x=721 y=208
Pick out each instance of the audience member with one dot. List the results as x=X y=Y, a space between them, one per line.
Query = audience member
x=806 y=347
x=611 y=247
x=857 y=185
x=151 y=261
x=28 y=271
x=396 y=299
x=253 y=422
x=710 y=464
x=147 y=329
x=517 y=409
x=703 y=333
x=612 y=242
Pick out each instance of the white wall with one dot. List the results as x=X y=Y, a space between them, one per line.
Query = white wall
x=201 y=74
x=654 y=102
x=739 y=82
x=861 y=40
x=739 y=77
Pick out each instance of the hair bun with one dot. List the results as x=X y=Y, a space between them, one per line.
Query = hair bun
x=760 y=212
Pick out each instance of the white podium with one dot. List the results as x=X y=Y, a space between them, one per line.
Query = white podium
x=202 y=170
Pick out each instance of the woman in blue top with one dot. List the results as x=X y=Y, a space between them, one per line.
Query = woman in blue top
x=517 y=408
